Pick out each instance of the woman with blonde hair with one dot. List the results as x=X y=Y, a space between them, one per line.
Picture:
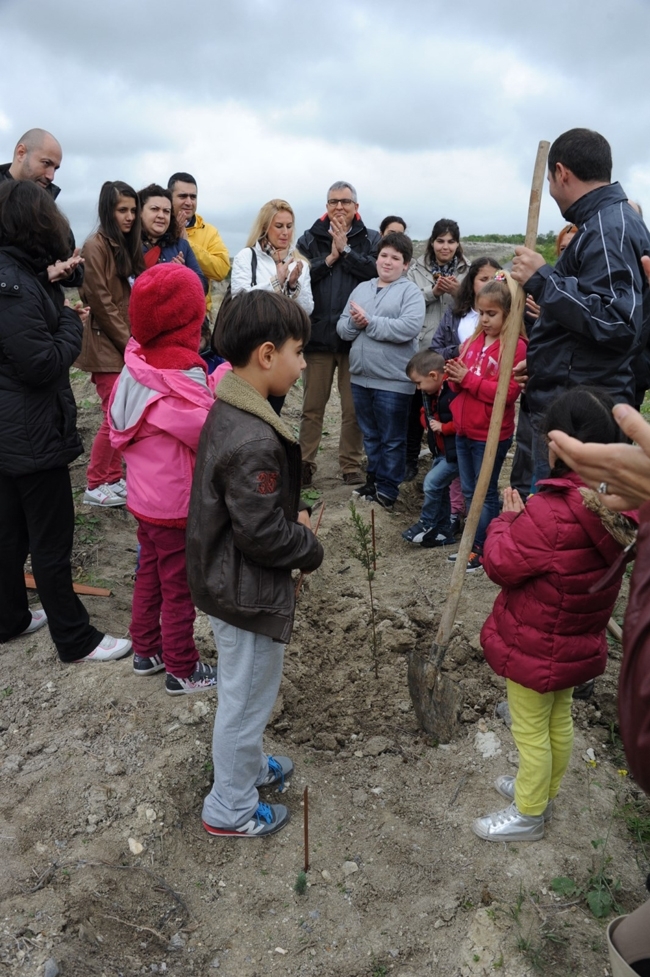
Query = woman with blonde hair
x=270 y=262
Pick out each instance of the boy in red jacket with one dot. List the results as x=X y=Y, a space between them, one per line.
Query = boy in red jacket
x=546 y=632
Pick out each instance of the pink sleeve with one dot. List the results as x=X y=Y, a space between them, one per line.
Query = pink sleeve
x=217 y=376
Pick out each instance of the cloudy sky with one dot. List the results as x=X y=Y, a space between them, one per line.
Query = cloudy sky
x=429 y=108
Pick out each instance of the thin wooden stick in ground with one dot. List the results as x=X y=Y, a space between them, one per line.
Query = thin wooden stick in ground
x=305 y=800
x=374 y=546
x=303 y=575
x=436 y=699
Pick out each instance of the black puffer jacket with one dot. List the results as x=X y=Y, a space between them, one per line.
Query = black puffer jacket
x=40 y=339
x=331 y=287
x=591 y=326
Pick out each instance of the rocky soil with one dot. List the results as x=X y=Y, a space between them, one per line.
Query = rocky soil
x=106 y=869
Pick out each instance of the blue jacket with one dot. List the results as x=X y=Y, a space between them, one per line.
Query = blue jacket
x=380 y=352
x=169 y=251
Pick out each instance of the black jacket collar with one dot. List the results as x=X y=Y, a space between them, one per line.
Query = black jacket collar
x=593 y=201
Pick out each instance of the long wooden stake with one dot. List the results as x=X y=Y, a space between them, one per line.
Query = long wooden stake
x=374 y=547
x=436 y=698
x=302 y=576
x=305 y=801
x=505 y=374
x=79 y=588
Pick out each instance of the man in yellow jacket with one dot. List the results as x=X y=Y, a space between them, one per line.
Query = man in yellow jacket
x=205 y=240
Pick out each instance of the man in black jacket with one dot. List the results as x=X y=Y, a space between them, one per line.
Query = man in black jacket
x=590 y=329
x=342 y=253
x=37 y=157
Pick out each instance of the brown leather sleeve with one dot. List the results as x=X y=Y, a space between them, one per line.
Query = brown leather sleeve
x=101 y=284
x=634 y=681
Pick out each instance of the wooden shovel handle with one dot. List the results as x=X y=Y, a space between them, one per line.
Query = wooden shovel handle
x=505 y=372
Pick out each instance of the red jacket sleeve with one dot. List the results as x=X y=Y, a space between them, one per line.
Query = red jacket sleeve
x=521 y=545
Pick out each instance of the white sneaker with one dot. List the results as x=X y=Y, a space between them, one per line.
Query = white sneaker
x=108 y=650
x=38 y=621
x=119 y=488
x=103 y=496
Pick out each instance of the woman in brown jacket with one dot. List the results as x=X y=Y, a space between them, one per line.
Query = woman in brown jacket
x=113 y=257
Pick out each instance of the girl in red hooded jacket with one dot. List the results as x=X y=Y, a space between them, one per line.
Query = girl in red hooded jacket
x=546 y=632
x=475 y=377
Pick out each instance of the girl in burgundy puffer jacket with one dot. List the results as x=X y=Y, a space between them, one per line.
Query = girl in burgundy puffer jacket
x=546 y=632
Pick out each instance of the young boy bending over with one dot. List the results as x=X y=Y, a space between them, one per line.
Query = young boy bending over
x=427 y=371
x=244 y=537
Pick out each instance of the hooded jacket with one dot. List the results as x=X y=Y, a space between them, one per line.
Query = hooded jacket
x=243 y=538
x=472 y=408
x=39 y=340
x=380 y=353
x=591 y=324
x=155 y=418
x=436 y=305
x=331 y=287
x=546 y=630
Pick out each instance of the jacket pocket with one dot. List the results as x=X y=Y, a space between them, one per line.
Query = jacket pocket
x=264 y=588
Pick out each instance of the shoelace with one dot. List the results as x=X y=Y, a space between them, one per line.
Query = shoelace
x=276 y=770
x=264 y=813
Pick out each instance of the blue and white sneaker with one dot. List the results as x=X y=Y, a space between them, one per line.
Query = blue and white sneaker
x=280 y=769
x=415 y=533
x=147 y=664
x=268 y=818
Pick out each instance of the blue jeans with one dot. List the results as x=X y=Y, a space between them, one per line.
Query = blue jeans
x=436 y=511
x=470 y=457
x=382 y=416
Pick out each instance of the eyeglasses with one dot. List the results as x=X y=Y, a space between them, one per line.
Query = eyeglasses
x=346 y=201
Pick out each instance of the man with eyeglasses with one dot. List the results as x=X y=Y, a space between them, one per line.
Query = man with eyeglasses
x=342 y=252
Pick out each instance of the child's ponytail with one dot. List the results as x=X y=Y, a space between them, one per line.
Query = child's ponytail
x=502 y=290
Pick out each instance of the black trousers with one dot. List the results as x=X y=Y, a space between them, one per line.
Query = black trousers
x=37 y=517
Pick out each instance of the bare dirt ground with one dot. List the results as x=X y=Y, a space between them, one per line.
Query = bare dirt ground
x=105 y=866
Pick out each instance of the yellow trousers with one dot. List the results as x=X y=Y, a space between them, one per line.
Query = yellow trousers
x=542 y=728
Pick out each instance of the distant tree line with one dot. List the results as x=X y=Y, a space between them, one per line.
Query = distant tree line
x=545 y=242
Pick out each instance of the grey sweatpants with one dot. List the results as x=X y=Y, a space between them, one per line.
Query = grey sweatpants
x=248 y=679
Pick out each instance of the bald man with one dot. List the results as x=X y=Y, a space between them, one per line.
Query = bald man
x=37 y=157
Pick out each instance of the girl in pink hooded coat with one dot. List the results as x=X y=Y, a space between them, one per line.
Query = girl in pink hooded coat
x=559 y=560
x=156 y=413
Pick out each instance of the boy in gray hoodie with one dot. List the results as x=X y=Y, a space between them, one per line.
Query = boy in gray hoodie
x=382 y=319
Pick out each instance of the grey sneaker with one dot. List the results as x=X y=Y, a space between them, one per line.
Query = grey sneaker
x=509 y=825
x=38 y=621
x=280 y=769
x=268 y=818
x=505 y=785
x=103 y=496
x=203 y=678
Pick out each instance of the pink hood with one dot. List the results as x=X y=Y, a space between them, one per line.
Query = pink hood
x=155 y=418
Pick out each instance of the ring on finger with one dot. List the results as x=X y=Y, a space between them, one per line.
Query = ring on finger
x=602 y=489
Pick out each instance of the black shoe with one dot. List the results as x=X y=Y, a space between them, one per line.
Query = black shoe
x=434 y=538
x=382 y=500
x=457 y=524
x=306 y=475
x=364 y=490
x=147 y=665
x=584 y=691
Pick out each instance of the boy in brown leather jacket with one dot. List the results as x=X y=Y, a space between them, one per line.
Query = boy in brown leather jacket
x=244 y=537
